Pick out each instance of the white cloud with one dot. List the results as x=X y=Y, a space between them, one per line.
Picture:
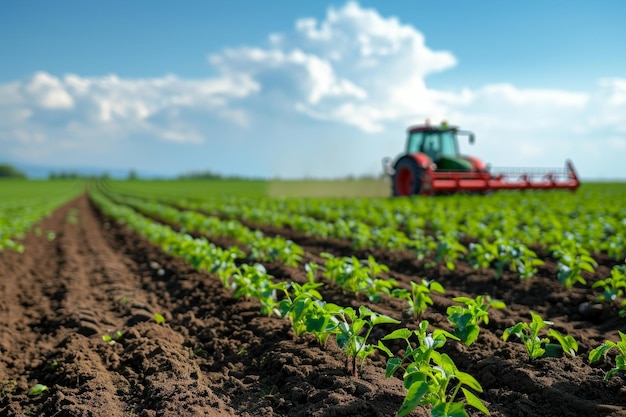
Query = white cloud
x=354 y=67
x=81 y=106
x=48 y=92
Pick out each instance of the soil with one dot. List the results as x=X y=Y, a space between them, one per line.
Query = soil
x=218 y=356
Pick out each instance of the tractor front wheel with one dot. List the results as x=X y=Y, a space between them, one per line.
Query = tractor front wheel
x=407 y=179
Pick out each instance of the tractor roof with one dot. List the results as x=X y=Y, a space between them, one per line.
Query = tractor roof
x=432 y=128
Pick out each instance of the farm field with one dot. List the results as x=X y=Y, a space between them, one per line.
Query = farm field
x=181 y=299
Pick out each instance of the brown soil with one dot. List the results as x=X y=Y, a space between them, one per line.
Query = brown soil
x=218 y=356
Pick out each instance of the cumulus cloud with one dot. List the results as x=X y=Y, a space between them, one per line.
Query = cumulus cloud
x=79 y=106
x=355 y=67
x=48 y=92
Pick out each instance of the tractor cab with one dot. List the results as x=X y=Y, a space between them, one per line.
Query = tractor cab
x=440 y=144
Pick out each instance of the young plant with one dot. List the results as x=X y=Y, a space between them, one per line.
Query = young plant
x=351 y=326
x=37 y=389
x=449 y=249
x=431 y=377
x=159 y=318
x=620 y=359
x=112 y=339
x=418 y=297
x=467 y=320
x=358 y=277
x=503 y=253
x=303 y=305
x=322 y=320
x=254 y=282
x=613 y=287
x=573 y=260
x=536 y=345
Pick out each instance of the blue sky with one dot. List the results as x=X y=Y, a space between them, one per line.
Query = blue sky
x=319 y=89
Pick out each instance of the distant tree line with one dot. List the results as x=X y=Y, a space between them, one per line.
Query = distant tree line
x=73 y=175
x=210 y=175
x=9 y=171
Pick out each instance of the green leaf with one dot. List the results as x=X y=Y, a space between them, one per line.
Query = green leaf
x=516 y=329
x=446 y=363
x=393 y=364
x=435 y=286
x=159 y=318
x=384 y=348
x=413 y=397
x=37 y=389
x=382 y=319
x=449 y=410
x=470 y=381
x=471 y=334
x=474 y=401
x=342 y=340
x=412 y=376
x=600 y=351
x=398 y=334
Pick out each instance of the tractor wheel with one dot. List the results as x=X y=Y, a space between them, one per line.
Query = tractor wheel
x=407 y=179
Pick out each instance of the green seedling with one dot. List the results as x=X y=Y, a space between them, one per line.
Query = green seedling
x=430 y=377
x=620 y=359
x=254 y=282
x=467 y=320
x=573 y=260
x=536 y=345
x=351 y=327
x=613 y=287
x=159 y=318
x=359 y=277
x=567 y=343
x=418 y=297
x=449 y=249
x=37 y=389
x=272 y=249
x=303 y=305
x=111 y=339
x=503 y=253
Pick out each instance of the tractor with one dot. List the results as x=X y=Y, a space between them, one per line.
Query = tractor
x=432 y=164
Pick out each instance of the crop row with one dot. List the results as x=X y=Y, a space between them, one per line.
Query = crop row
x=531 y=218
x=595 y=220
x=430 y=376
x=18 y=216
x=501 y=254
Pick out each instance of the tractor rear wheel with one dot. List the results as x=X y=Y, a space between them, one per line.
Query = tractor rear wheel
x=407 y=179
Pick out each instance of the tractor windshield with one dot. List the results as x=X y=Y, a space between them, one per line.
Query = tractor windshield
x=436 y=144
x=448 y=144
